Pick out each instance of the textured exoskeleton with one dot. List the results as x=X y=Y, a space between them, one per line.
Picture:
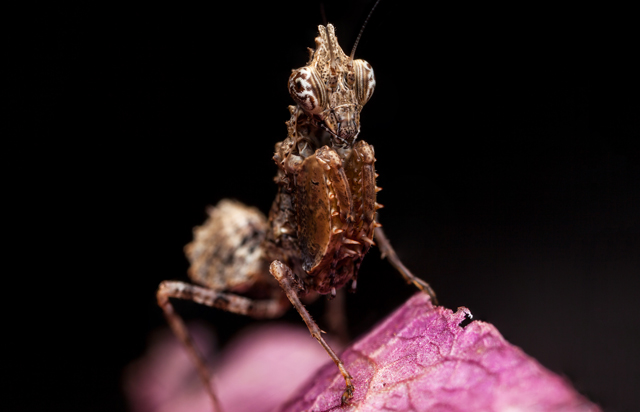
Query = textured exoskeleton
x=321 y=224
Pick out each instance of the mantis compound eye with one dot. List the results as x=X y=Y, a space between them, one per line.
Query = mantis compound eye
x=365 y=81
x=308 y=90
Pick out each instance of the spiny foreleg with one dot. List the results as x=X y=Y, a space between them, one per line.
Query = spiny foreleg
x=287 y=281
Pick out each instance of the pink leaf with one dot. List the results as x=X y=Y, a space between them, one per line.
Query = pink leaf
x=419 y=359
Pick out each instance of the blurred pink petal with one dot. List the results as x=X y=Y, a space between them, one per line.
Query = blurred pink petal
x=266 y=366
x=258 y=371
x=419 y=359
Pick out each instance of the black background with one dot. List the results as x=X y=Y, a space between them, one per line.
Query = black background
x=507 y=147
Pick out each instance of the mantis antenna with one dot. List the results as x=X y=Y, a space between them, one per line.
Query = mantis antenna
x=353 y=50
